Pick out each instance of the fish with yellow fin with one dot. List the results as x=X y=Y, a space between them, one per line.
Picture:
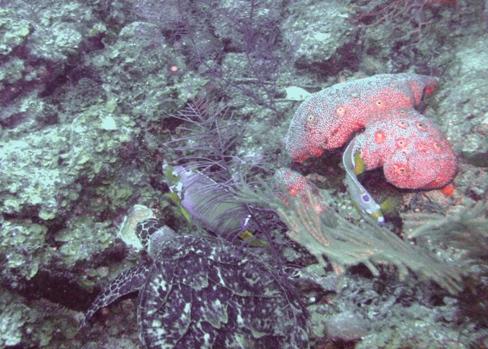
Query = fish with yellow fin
x=209 y=204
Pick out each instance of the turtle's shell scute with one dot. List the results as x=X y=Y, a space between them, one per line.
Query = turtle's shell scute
x=205 y=293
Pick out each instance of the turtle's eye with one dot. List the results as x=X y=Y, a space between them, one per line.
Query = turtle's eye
x=145 y=229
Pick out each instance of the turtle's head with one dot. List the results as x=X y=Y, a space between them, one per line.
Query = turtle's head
x=128 y=228
x=153 y=235
x=158 y=238
x=141 y=231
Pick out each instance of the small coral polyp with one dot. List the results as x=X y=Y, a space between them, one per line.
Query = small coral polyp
x=411 y=149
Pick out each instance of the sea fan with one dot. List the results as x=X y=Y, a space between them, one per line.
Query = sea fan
x=346 y=244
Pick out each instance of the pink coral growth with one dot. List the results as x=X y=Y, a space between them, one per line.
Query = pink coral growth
x=291 y=184
x=411 y=149
x=329 y=118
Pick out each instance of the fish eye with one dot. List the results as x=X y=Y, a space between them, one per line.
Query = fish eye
x=365 y=198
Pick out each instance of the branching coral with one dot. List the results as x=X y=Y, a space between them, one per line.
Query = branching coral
x=207 y=136
x=376 y=12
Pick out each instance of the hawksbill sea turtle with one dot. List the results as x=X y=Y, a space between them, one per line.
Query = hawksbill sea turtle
x=200 y=292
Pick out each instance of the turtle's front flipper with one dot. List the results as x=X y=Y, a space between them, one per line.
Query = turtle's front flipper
x=129 y=281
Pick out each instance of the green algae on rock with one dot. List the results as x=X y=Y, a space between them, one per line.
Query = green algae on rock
x=22 y=249
x=77 y=246
x=13 y=31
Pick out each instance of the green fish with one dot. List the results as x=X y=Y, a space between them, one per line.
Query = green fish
x=206 y=202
